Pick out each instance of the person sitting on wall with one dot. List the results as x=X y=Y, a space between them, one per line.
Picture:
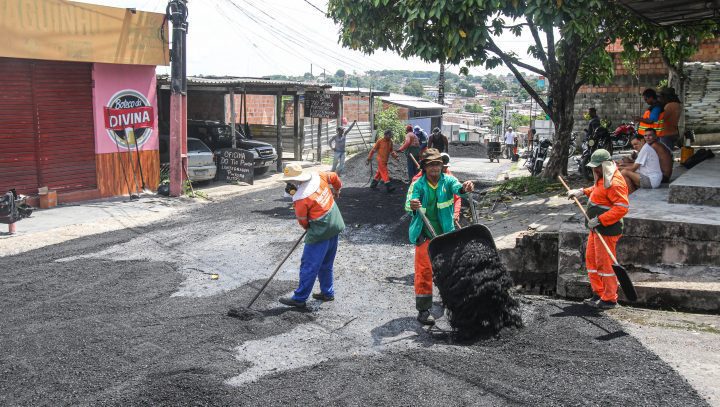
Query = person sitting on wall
x=644 y=171
x=664 y=154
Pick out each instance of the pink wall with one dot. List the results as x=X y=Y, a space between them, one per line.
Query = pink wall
x=128 y=83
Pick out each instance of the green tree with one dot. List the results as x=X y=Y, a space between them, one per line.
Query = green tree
x=465 y=31
x=339 y=73
x=388 y=119
x=492 y=84
x=473 y=108
x=414 y=88
x=516 y=120
x=469 y=90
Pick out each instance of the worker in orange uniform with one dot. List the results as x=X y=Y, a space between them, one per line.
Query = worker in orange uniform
x=607 y=205
x=316 y=211
x=384 y=148
x=433 y=194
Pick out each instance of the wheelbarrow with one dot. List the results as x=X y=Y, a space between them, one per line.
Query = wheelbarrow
x=494 y=151
x=446 y=243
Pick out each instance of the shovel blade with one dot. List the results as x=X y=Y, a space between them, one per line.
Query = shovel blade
x=448 y=242
x=625 y=282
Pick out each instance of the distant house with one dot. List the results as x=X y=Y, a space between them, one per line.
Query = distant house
x=415 y=110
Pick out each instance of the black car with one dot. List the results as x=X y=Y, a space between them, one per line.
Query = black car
x=218 y=135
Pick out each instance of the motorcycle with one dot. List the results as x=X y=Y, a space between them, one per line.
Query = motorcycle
x=535 y=163
x=13 y=207
x=573 y=145
x=599 y=139
x=623 y=134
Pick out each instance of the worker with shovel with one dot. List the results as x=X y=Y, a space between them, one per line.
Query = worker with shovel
x=316 y=211
x=433 y=194
x=384 y=148
x=607 y=205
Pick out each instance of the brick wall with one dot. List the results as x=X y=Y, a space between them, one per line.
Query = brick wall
x=260 y=109
x=356 y=108
x=621 y=100
x=403 y=112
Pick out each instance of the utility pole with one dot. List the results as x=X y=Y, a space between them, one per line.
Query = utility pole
x=177 y=13
x=441 y=85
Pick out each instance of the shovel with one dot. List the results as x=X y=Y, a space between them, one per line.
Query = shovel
x=448 y=242
x=622 y=275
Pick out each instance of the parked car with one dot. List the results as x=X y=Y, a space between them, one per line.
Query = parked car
x=201 y=160
x=218 y=135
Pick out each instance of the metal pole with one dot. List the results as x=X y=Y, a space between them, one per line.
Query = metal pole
x=278 y=127
x=177 y=13
x=319 y=140
x=232 y=118
x=372 y=117
x=298 y=147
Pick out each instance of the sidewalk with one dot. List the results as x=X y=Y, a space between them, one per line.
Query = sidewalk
x=71 y=221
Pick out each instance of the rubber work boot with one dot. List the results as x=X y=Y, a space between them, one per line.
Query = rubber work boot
x=322 y=297
x=603 y=305
x=592 y=300
x=425 y=318
x=291 y=302
x=373 y=184
x=389 y=187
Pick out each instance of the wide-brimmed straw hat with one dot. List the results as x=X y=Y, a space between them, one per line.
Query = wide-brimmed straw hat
x=294 y=172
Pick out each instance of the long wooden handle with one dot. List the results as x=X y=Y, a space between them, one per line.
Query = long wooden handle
x=427 y=223
x=414 y=160
x=276 y=269
x=607 y=248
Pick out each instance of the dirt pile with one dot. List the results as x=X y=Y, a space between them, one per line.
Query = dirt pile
x=357 y=172
x=472 y=150
x=474 y=287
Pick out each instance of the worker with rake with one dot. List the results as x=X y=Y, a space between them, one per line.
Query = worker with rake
x=607 y=204
x=316 y=211
x=433 y=194
x=384 y=148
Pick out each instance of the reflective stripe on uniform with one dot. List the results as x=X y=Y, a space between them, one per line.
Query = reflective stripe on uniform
x=606 y=274
x=623 y=205
x=599 y=206
x=446 y=204
x=592 y=271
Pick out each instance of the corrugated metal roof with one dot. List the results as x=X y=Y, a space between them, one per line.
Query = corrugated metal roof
x=411 y=101
x=354 y=91
x=231 y=81
x=671 y=12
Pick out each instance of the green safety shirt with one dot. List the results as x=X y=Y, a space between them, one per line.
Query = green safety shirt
x=438 y=204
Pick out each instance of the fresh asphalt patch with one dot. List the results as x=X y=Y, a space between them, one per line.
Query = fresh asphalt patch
x=120 y=319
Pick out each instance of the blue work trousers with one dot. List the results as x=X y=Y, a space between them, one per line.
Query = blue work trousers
x=411 y=167
x=317 y=262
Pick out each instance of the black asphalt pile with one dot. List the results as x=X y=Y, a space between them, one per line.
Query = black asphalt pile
x=474 y=287
x=357 y=171
x=472 y=150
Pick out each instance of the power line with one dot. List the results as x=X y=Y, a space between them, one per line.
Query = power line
x=316 y=7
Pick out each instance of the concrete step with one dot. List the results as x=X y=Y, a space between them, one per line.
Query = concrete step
x=699 y=293
x=698 y=186
x=689 y=281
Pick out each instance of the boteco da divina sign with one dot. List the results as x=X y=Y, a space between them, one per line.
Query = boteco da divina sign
x=129 y=109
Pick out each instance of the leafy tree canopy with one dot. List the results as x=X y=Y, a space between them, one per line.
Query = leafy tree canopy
x=414 y=88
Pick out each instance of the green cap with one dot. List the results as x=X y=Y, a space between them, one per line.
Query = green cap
x=598 y=157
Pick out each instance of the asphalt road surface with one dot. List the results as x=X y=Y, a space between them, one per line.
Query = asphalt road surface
x=132 y=317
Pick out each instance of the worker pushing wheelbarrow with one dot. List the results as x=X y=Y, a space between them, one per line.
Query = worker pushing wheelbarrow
x=448 y=254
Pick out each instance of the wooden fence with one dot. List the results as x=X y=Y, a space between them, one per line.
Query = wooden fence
x=359 y=137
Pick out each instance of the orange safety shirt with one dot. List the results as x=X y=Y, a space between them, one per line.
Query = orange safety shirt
x=383 y=147
x=609 y=205
x=316 y=203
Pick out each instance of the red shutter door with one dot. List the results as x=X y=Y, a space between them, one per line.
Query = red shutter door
x=63 y=97
x=18 y=162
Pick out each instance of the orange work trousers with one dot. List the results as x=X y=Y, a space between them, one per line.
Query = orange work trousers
x=599 y=267
x=423 y=277
x=382 y=172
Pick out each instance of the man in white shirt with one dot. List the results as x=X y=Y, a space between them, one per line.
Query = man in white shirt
x=644 y=171
x=509 y=145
